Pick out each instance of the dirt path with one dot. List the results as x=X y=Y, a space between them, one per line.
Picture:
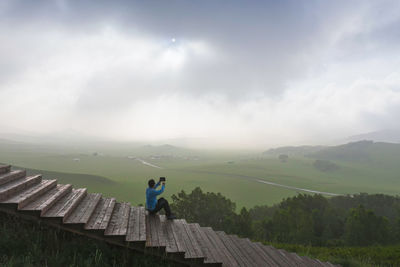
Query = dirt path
x=148 y=163
x=260 y=180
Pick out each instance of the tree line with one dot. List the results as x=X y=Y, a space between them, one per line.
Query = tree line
x=353 y=220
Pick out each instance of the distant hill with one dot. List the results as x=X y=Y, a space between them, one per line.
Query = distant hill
x=388 y=135
x=161 y=150
x=364 y=150
x=293 y=150
x=360 y=151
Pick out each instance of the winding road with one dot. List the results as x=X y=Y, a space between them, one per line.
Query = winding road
x=260 y=180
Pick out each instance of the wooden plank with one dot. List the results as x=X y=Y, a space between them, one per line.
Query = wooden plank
x=142 y=224
x=234 y=248
x=211 y=255
x=47 y=200
x=301 y=260
x=227 y=258
x=102 y=214
x=265 y=257
x=119 y=220
x=311 y=262
x=186 y=239
x=84 y=210
x=245 y=248
x=5 y=168
x=154 y=239
x=288 y=256
x=135 y=225
x=170 y=239
x=10 y=176
x=160 y=233
x=280 y=259
x=149 y=240
x=30 y=194
x=197 y=252
x=12 y=188
x=65 y=205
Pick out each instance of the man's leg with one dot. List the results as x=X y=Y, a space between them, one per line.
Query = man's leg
x=162 y=203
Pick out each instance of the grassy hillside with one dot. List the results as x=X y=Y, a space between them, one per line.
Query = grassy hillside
x=114 y=171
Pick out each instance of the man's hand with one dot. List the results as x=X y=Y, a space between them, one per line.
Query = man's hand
x=163 y=183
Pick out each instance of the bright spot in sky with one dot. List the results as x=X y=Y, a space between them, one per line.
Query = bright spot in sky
x=173 y=40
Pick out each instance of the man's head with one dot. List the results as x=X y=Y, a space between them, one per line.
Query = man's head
x=152 y=183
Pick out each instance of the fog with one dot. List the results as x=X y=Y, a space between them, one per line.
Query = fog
x=226 y=73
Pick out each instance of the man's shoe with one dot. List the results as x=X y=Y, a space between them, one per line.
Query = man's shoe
x=171 y=217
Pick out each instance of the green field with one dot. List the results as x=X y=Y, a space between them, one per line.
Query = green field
x=233 y=173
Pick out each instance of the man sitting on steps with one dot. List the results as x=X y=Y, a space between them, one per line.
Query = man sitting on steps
x=152 y=205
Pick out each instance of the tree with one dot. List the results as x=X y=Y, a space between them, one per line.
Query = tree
x=208 y=209
x=364 y=228
x=325 y=165
x=283 y=157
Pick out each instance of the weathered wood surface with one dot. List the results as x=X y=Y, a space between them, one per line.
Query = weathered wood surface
x=211 y=255
x=6 y=177
x=84 y=210
x=5 y=168
x=44 y=202
x=66 y=204
x=137 y=225
x=102 y=218
x=11 y=188
x=118 y=224
x=30 y=194
x=102 y=214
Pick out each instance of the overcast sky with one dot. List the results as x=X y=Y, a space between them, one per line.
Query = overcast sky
x=236 y=72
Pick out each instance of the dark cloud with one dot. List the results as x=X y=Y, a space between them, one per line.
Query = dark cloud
x=257 y=52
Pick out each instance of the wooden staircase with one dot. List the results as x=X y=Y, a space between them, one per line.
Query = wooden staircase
x=91 y=214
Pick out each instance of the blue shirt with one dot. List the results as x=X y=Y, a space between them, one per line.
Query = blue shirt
x=151 y=196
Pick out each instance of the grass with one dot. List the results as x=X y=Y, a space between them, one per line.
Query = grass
x=27 y=244
x=231 y=173
x=373 y=256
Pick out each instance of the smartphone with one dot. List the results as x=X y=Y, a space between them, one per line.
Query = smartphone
x=162 y=179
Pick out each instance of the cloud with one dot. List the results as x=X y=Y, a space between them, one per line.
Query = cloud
x=265 y=72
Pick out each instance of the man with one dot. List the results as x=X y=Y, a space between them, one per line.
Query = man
x=152 y=205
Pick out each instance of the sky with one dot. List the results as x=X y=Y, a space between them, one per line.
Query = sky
x=234 y=73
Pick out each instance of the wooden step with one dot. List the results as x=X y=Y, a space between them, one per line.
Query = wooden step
x=259 y=255
x=173 y=243
x=227 y=258
x=244 y=247
x=66 y=205
x=118 y=224
x=137 y=225
x=10 y=189
x=10 y=176
x=84 y=210
x=155 y=237
x=311 y=262
x=101 y=215
x=186 y=238
x=5 y=168
x=280 y=259
x=29 y=195
x=235 y=250
x=211 y=255
x=48 y=199
x=291 y=259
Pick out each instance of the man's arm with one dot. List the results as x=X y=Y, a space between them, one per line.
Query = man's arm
x=161 y=190
x=157 y=184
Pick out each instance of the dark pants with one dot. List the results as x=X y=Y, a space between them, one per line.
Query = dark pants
x=162 y=203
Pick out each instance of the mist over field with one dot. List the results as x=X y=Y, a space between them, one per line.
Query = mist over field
x=205 y=74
